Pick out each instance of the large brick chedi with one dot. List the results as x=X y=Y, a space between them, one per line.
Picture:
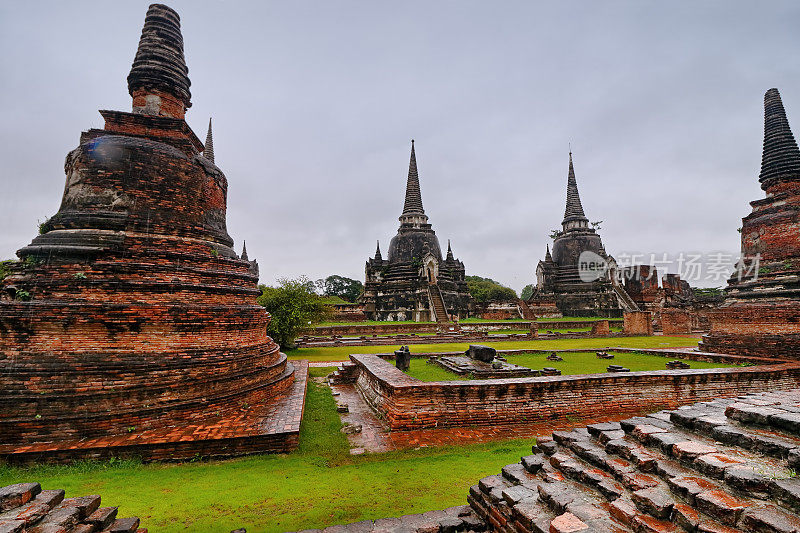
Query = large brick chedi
x=130 y=320
x=761 y=314
x=558 y=276
x=415 y=282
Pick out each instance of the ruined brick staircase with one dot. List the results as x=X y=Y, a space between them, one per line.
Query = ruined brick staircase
x=347 y=372
x=720 y=466
x=25 y=507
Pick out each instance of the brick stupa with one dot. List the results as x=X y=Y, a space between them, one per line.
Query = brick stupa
x=415 y=282
x=761 y=314
x=130 y=325
x=558 y=277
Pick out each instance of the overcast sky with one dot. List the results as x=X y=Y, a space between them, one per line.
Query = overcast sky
x=315 y=104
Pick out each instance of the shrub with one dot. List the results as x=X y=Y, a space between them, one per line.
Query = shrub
x=293 y=305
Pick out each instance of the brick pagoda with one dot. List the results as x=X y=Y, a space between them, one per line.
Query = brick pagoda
x=558 y=275
x=129 y=325
x=761 y=314
x=415 y=282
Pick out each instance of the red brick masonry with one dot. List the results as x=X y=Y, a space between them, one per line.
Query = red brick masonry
x=407 y=403
x=267 y=428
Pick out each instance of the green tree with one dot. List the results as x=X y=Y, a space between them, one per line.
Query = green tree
x=527 y=291
x=293 y=305
x=485 y=290
x=345 y=288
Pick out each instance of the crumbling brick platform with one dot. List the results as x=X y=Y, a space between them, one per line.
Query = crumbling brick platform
x=272 y=427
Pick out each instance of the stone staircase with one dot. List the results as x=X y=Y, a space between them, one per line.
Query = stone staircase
x=437 y=304
x=624 y=299
x=345 y=373
x=720 y=466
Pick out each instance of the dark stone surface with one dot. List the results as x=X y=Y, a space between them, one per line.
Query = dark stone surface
x=402 y=358
x=484 y=354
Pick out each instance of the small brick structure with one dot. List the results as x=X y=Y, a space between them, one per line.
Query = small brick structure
x=601 y=328
x=25 y=507
x=130 y=325
x=761 y=313
x=638 y=323
x=406 y=403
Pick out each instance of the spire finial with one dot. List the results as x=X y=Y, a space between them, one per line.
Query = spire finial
x=449 y=252
x=781 y=158
x=208 y=151
x=574 y=209
x=378 y=256
x=244 y=251
x=547 y=257
x=159 y=80
x=413 y=203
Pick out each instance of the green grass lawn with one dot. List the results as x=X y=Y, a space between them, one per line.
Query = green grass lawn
x=319 y=485
x=342 y=353
x=574 y=363
x=424 y=371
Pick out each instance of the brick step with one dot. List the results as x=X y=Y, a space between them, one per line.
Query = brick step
x=346 y=373
x=687 y=474
x=642 y=494
x=712 y=421
x=26 y=507
x=741 y=471
x=661 y=472
x=571 y=502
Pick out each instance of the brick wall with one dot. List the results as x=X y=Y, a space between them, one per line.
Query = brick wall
x=409 y=404
x=638 y=323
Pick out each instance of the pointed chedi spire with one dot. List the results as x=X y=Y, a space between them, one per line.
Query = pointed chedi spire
x=413 y=203
x=159 y=79
x=378 y=256
x=449 y=252
x=547 y=257
x=780 y=159
x=574 y=209
x=208 y=151
x=244 y=251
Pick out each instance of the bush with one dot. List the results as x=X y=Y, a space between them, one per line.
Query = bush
x=485 y=290
x=4 y=268
x=293 y=305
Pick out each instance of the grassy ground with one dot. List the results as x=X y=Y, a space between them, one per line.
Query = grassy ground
x=424 y=371
x=321 y=484
x=342 y=353
x=573 y=364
